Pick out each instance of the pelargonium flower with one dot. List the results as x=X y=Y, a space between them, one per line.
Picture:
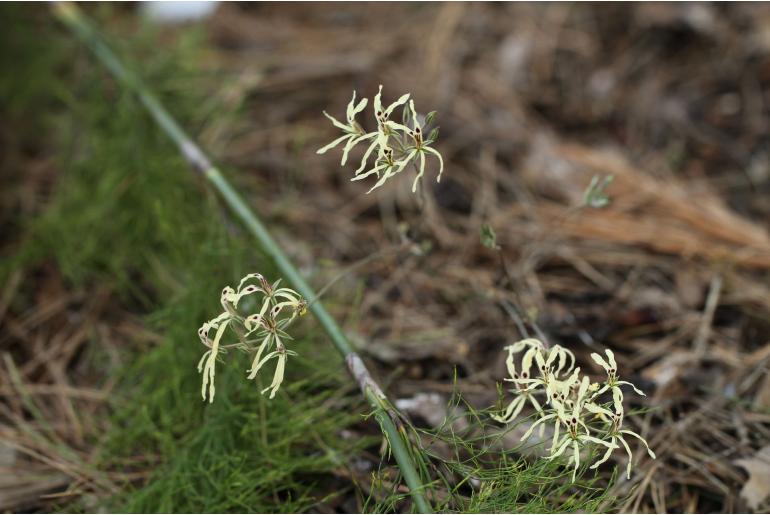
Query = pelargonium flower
x=397 y=144
x=353 y=133
x=569 y=401
x=278 y=308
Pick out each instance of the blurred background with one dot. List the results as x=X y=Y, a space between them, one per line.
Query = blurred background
x=113 y=252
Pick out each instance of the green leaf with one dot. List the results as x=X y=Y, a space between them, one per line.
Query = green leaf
x=433 y=135
x=488 y=237
x=595 y=195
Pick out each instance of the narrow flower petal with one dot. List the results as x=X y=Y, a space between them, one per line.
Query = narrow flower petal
x=278 y=376
x=365 y=159
x=200 y=363
x=617 y=401
x=398 y=127
x=562 y=447
x=637 y=390
x=535 y=424
x=387 y=175
x=440 y=161
x=375 y=170
x=419 y=175
x=378 y=101
x=630 y=456
x=415 y=121
x=509 y=363
x=556 y=428
x=511 y=412
x=607 y=454
x=337 y=123
x=350 y=112
x=576 y=457
x=257 y=363
x=360 y=107
x=333 y=144
x=649 y=451
x=600 y=361
x=597 y=441
x=402 y=99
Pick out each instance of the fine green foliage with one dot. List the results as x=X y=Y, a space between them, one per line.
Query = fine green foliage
x=127 y=215
x=485 y=473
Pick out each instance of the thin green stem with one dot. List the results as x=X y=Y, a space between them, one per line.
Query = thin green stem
x=71 y=16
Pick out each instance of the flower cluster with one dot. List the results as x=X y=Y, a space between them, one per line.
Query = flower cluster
x=262 y=331
x=569 y=401
x=397 y=144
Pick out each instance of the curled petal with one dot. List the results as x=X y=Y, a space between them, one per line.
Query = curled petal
x=509 y=363
x=254 y=322
x=415 y=121
x=556 y=428
x=248 y=277
x=526 y=361
x=346 y=150
x=261 y=363
x=637 y=390
x=617 y=400
x=440 y=160
x=387 y=175
x=536 y=405
x=649 y=451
